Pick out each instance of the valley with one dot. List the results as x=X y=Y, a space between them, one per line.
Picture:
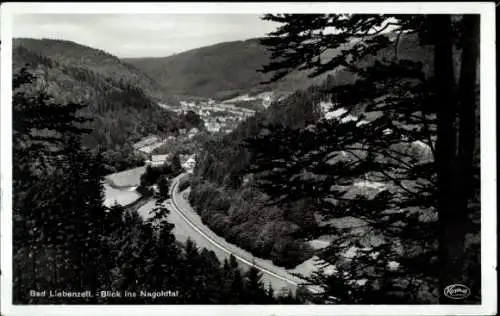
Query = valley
x=213 y=114
x=253 y=170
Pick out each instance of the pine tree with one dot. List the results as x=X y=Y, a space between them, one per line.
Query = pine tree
x=254 y=287
x=237 y=289
x=82 y=233
x=128 y=249
x=111 y=248
x=212 y=273
x=39 y=129
x=226 y=283
x=270 y=294
x=166 y=262
x=164 y=187
x=407 y=96
x=192 y=280
x=176 y=164
x=232 y=262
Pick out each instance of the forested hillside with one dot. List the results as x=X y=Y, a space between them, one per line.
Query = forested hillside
x=120 y=97
x=229 y=69
x=63 y=52
x=219 y=71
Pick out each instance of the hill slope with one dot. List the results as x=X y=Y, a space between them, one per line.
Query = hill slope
x=219 y=71
x=63 y=52
x=118 y=95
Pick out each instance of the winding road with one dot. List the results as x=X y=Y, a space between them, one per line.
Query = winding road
x=188 y=224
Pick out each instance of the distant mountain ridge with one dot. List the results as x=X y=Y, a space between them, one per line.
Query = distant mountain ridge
x=220 y=71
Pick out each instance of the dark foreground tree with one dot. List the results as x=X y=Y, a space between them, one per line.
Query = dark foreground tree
x=64 y=238
x=45 y=246
x=418 y=104
x=255 y=290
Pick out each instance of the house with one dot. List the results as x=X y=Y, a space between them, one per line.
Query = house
x=145 y=142
x=189 y=163
x=158 y=160
x=212 y=127
x=192 y=132
x=147 y=145
x=150 y=148
x=144 y=146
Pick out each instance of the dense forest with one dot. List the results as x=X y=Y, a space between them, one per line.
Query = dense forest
x=121 y=111
x=99 y=62
x=65 y=239
x=374 y=173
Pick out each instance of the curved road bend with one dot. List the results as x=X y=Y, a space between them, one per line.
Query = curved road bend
x=189 y=224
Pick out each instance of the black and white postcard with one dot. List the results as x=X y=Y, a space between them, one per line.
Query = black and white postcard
x=248 y=158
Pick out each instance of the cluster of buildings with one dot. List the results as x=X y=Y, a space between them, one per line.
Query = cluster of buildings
x=218 y=117
x=223 y=116
x=147 y=145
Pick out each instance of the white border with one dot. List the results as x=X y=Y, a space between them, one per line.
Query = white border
x=488 y=155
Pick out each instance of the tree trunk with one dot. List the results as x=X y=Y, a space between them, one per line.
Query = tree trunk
x=467 y=129
x=450 y=234
x=445 y=148
x=468 y=104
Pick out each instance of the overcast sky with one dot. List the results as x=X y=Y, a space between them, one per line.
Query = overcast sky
x=142 y=35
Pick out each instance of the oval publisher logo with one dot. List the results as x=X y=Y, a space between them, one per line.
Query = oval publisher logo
x=456 y=291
